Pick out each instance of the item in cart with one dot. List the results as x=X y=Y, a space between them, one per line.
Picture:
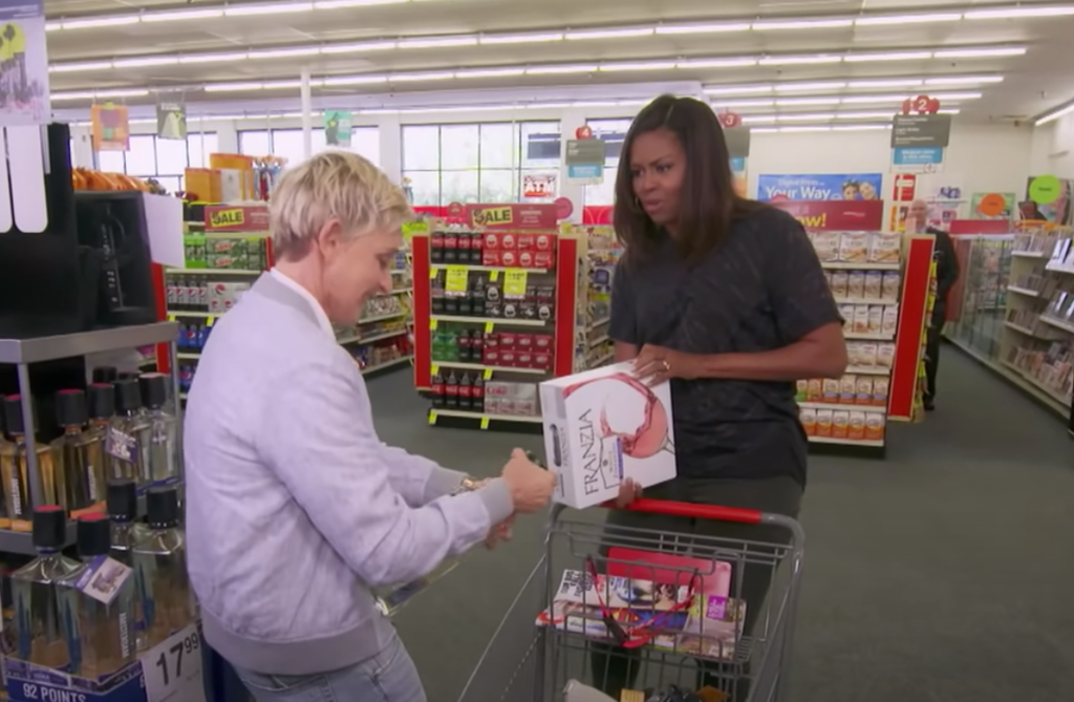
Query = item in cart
x=853 y=247
x=885 y=247
x=889 y=287
x=97 y=602
x=77 y=455
x=15 y=468
x=38 y=622
x=603 y=426
x=160 y=568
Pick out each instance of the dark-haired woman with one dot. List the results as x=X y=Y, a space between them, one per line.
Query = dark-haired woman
x=725 y=299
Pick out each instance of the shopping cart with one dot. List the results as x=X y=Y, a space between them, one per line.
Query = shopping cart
x=746 y=653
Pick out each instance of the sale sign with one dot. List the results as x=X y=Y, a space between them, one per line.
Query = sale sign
x=835 y=215
x=512 y=216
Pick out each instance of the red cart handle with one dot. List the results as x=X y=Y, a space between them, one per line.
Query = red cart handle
x=691 y=509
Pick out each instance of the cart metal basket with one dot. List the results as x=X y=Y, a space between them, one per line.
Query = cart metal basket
x=746 y=649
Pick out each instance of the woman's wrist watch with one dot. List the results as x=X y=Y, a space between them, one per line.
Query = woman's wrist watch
x=469 y=484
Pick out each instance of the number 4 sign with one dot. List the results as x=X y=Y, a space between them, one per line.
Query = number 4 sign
x=172 y=669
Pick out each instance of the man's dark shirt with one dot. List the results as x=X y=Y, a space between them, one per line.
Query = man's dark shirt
x=947 y=271
x=761 y=290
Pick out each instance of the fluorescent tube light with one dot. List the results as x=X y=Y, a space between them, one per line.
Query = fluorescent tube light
x=763 y=130
x=232 y=87
x=963 y=80
x=354 y=80
x=739 y=90
x=180 y=15
x=804 y=87
x=890 y=56
x=864 y=115
x=212 y=58
x=886 y=83
x=80 y=66
x=337 y=4
x=558 y=69
x=53 y=26
x=145 y=61
x=90 y=22
x=98 y=94
x=530 y=38
x=278 y=8
x=758 y=119
x=798 y=60
x=734 y=62
x=1021 y=12
x=805 y=129
x=268 y=54
x=714 y=28
x=744 y=103
x=1052 y=116
x=288 y=84
x=792 y=102
x=413 y=77
x=639 y=66
x=803 y=24
x=610 y=33
x=867 y=99
x=358 y=48
x=436 y=42
x=490 y=72
x=860 y=127
x=908 y=19
x=956 y=96
x=980 y=52
x=805 y=117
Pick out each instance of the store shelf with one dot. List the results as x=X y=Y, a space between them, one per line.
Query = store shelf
x=865 y=266
x=400 y=271
x=382 y=317
x=486 y=269
x=196 y=315
x=868 y=370
x=433 y=414
x=389 y=364
x=860 y=336
x=600 y=361
x=1057 y=268
x=842 y=406
x=846 y=442
x=212 y=271
x=47 y=348
x=600 y=322
x=489 y=320
x=1058 y=324
x=1028 y=254
x=188 y=355
x=1064 y=402
x=370 y=339
x=1014 y=375
x=494 y=369
x=863 y=301
x=397 y=291
x=1023 y=330
x=599 y=340
x=1023 y=291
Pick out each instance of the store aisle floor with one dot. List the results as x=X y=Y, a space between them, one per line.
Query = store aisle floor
x=942 y=573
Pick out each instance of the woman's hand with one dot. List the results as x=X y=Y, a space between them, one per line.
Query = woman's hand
x=656 y=364
x=500 y=532
x=628 y=492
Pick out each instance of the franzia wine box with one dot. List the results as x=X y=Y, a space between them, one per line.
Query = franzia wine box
x=603 y=426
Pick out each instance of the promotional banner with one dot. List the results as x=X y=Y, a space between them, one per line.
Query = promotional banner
x=827 y=186
x=1048 y=198
x=738 y=173
x=849 y=215
x=171 y=120
x=110 y=126
x=992 y=205
x=917 y=159
x=23 y=64
x=337 y=128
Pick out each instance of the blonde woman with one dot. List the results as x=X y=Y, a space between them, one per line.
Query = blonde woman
x=295 y=508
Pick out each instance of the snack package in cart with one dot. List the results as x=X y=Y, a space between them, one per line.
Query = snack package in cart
x=602 y=427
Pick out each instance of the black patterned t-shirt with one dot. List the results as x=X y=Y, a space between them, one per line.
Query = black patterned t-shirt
x=762 y=289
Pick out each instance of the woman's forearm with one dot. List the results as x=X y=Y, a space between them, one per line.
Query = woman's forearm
x=803 y=359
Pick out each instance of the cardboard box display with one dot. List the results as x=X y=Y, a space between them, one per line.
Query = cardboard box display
x=603 y=426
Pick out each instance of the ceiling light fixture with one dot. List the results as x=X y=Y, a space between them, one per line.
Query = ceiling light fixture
x=146 y=61
x=963 y=80
x=531 y=38
x=714 y=28
x=1055 y=114
x=99 y=94
x=436 y=42
x=358 y=48
x=555 y=69
x=890 y=56
x=802 y=87
x=213 y=58
x=180 y=15
x=796 y=87
x=799 y=60
x=818 y=101
x=971 y=52
x=717 y=63
x=740 y=90
x=639 y=66
x=881 y=20
x=276 y=8
x=1021 y=12
x=609 y=33
x=802 y=24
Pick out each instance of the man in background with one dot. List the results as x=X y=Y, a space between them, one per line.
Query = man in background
x=947 y=272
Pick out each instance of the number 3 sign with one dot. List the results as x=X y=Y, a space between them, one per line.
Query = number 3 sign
x=922 y=105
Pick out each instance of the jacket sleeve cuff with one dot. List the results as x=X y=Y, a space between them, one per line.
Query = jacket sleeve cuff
x=442 y=481
x=496 y=497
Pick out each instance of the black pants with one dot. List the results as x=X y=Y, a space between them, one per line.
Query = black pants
x=617 y=669
x=932 y=359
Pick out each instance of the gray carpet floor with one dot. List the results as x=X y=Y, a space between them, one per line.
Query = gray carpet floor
x=943 y=573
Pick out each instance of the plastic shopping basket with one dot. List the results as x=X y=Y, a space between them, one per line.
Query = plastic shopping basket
x=543 y=642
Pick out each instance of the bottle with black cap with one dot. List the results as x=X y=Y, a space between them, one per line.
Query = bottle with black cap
x=15 y=469
x=160 y=568
x=105 y=374
x=76 y=454
x=101 y=398
x=163 y=428
x=97 y=604
x=128 y=433
x=38 y=622
x=126 y=532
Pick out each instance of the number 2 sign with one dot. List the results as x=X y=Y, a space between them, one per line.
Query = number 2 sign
x=922 y=105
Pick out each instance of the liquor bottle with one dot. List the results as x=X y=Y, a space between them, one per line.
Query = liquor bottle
x=15 y=469
x=127 y=531
x=100 y=634
x=39 y=636
x=160 y=568
x=105 y=374
x=77 y=454
x=102 y=407
x=163 y=428
x=128 y=433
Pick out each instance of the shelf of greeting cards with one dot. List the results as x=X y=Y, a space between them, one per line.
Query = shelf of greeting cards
x=1062 y=324
x=1064 y=401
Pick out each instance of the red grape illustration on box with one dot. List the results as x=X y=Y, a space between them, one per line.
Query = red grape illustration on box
x=620 y=424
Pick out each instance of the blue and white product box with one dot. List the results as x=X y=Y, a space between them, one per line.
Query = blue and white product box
x=603 y=426
x=168 y=672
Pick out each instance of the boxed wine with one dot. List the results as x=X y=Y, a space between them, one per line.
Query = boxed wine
x=603 y=426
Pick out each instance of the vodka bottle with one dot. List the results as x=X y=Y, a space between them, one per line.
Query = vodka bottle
x=128 y=433
x=101 y=398
x=126 y=532
x=160 y=568
x=14 y=467
x=77 y=454
x=163 y=429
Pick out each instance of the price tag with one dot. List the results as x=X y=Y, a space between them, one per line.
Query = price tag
x=433 y=272
x=209 y=321
x=514 y=282
x=489 y=327
x=103 y=578
x=484 y=422
x=432 y=416
x=457 y=279
x=494 y=276
x=415 y=228
x=172 y=669
x=121 y=445
x=488 y=374
x=172 y=318
x=432 y=325
x=435 y=370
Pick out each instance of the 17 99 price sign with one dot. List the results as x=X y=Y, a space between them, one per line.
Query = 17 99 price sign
x=172 y=669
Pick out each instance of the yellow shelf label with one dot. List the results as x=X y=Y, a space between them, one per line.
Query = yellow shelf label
x=415 y=228
x=488 y=374
x=432 y=416
x=209 y=321
x=432 y=325
x=435 y=370
x=514 y=282
x=484 y=422
x=172 y=318
x=489 y=326
x=494 y=276
x=457 y=279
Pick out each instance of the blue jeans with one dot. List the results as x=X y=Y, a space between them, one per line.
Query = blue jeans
x=389 y=676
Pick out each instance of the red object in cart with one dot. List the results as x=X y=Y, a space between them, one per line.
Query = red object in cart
x=649 y=599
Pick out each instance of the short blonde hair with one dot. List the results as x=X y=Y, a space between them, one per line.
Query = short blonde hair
x=332 y=185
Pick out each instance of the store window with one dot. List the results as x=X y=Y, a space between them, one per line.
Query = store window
x=613 y=133
x=287 y=143
x=163 y=159
x=486 y=162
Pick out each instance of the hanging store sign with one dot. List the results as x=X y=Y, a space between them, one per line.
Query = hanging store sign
x=921 y=130
x=24 y=64
x=337 y=128
x=171 y=120
x=539 y=185
x=585 y=159
x=917 y=159
x=110 y=127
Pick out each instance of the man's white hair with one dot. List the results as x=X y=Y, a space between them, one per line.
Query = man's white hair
x=338 y=185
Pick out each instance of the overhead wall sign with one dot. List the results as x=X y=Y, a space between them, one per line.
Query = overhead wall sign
x=822 y=186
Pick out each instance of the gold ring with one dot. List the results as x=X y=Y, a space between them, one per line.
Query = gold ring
x=667 y=366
